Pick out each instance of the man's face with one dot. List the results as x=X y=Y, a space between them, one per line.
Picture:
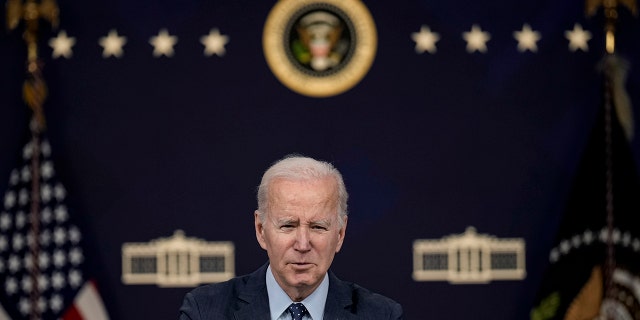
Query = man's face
x=301 y=233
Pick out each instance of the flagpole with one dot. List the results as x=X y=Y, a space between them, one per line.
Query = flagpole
x=34 y=93
x=611 y=67
x=610 y=262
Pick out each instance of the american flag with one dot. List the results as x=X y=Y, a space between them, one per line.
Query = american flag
x=42 y=274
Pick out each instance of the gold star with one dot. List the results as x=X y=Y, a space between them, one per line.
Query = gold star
x=527 y=39
x=163 y=43
x=214 y=43
x=476 y=39
x=61 y=45
x=578 y=38
x=425 y=40
x=112 y=44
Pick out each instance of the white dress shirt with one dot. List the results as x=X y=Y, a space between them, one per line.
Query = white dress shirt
x=279 y=301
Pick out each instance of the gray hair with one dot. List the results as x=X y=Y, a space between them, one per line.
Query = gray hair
x=300 y=168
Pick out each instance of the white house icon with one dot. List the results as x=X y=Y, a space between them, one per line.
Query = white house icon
x=469 y=258
x=177 y=261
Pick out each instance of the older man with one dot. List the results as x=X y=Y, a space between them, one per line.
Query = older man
x=301 y=222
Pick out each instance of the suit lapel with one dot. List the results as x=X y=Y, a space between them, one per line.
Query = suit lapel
x=253 y=300
x=339 y=303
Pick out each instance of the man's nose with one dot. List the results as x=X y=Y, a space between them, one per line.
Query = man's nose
x=303 y=239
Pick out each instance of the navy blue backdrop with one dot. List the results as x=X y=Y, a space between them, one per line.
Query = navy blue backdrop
x=428 y=143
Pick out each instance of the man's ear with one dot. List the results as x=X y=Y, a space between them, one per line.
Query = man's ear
x=341 y=234
x=259 y=230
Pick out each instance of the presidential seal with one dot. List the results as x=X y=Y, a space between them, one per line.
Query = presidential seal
x=319 y=48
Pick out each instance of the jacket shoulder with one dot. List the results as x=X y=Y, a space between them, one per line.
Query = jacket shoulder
x=212 y=301
x=365 y=299
x=360 y=302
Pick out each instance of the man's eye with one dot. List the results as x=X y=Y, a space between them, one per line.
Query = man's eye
x=319 y=228
x=286 y=226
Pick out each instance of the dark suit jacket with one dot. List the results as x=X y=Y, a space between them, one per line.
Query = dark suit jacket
x=245 y=298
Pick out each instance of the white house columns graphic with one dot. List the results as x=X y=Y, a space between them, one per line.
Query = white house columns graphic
x=177 y=261
x=469 y=258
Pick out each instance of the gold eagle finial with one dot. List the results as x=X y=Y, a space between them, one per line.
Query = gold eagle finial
x=611 y=15
x=34 y=90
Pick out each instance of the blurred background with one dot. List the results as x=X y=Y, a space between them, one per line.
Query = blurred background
x=431 y=140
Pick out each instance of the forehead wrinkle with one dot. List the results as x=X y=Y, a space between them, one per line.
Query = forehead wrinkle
x=292 y=204
x=303 y=184
x=296 y=220
x=290 y=200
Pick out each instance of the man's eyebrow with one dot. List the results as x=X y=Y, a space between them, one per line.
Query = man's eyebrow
x=293 y=221
x=283 y=221
x=323 y=222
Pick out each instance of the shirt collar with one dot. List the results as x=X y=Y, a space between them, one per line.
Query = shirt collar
x=279 y=301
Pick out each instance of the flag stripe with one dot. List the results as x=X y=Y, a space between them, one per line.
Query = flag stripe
x=72 y=314
x=89 y=303
x=3 y=314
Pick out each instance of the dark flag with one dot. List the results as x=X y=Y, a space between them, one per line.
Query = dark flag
x=42 y=273
x=594 y=270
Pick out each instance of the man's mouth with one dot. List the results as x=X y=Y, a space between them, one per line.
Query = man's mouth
x=301 y=264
